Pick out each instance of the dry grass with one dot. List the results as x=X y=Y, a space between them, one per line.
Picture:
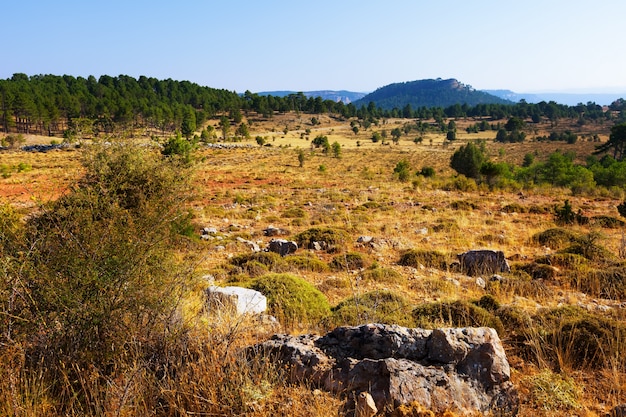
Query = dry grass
x=242 y=191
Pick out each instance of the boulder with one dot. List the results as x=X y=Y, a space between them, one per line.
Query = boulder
x=483 y=261
x=236 y=300
x=462 y=370
x=282 y=247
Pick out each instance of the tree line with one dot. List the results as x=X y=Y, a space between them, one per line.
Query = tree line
x=65 y=105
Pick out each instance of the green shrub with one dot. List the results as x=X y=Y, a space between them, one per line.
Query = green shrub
x=463 y=205
x=590 y=251
x=514 y=208
x=563 y=260
x=330 y=237
x=427 y=258
x=294 y=213
x=488 y=302
x=607 y=222
x=348 y=261
x=555 y=238
x=538 y=271
x=273 y=261
x=292 y=300
x=573 y=336
x=101 y=271
x=455 y=314
x=552 y=392
x=373 y=307
x=428 y=172
x=382 y=275
x=306 y=263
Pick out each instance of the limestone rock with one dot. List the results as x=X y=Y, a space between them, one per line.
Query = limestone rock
x=237 y=300
x=463 y=370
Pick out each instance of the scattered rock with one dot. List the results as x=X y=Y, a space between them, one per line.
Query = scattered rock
x=462 y=370
x=484 y=261
x=275 y=231
x=236 y=300
x=252 y=245
x=282 y=247
x=496 y=278
x=364 y=239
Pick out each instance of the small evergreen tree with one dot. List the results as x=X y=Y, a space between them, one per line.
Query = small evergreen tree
x=467 y=160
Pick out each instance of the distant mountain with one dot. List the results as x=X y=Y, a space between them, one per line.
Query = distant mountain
x=344 y=96
x=428 y=93
x=570 y=99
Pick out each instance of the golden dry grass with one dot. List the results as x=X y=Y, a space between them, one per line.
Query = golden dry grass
x=242 y=191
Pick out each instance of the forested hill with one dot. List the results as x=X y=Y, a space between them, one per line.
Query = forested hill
x=428 y=93
x=49 y=104
x=58 y=105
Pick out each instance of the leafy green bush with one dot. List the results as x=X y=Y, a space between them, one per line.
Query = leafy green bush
x=292 y=299
x=427 y=258
x=373 y=307
x=455 y=314
x=348 y=261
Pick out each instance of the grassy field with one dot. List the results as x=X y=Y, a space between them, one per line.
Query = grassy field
x=242 y=191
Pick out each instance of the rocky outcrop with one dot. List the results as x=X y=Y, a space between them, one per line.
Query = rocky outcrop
x=484 y=261
x=464 y=370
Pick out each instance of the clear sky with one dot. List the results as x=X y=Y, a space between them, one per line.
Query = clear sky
x=356 y=45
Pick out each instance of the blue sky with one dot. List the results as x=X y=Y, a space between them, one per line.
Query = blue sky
x=357 y=45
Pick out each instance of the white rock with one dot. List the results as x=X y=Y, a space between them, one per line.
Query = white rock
x=240 y=300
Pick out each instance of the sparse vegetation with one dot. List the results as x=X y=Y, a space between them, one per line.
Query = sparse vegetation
x=558 y=311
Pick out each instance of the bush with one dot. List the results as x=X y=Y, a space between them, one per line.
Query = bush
x=607 y=222
x=273 y=261
x=455 y=314
x=382 y=275
x=373 y=307
x=402 y=170
x=348 y=261
x=550 y=391
x=292 y=299
x=327 y=236
x=294 y=213
x=427 y=258
x=467 y=160
x=99 y=279
x=555 y=238
x=306 y=263
x=427 y=172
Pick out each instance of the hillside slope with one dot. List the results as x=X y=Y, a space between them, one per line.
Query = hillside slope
x=428 y=93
